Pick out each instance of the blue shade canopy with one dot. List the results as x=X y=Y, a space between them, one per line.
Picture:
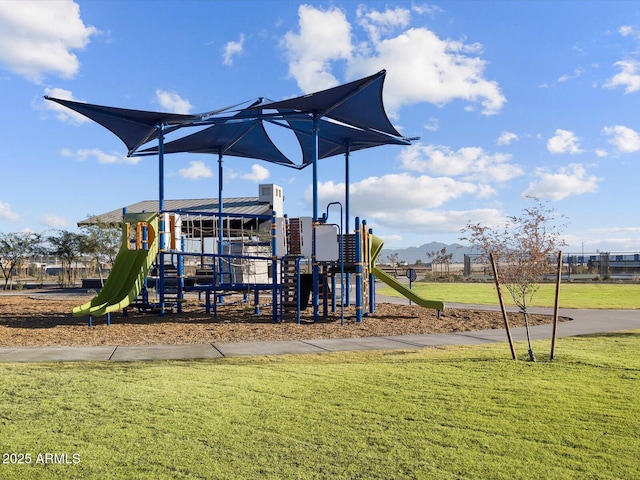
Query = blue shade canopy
x=357 y=103
x=337 y=139
x=240 y=138
x=349 y=117
x=133 y=127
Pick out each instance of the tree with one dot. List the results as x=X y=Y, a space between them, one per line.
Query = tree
x=101 y=241
x=523 y=249
x=442 y=258
x=68 y=246
x=15 y=248
x=394 y=261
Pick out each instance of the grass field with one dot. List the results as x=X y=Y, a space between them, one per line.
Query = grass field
x=572 y=295
x=457 y=412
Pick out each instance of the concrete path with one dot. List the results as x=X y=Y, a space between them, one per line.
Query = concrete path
x=584 y=322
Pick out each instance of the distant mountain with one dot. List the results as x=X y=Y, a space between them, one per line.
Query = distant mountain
x=413 y=254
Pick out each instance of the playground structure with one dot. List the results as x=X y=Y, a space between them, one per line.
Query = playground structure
x=293 y=259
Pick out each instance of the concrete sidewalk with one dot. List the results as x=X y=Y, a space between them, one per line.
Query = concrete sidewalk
x=584 y=322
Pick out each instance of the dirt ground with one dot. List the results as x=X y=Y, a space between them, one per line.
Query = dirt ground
x=41 y=319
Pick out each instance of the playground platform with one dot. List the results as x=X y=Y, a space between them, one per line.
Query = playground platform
x=584 y=322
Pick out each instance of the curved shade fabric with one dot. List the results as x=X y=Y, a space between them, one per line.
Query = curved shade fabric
x=240 y=139
x=357 y=103
x=133 y=127
x=337 y=139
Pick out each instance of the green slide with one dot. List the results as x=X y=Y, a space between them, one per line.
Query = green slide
x=376 y=247
x=128 y=273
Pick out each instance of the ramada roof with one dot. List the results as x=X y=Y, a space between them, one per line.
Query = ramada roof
x=189 y=209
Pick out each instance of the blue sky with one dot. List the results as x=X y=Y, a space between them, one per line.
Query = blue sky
x=508 y=98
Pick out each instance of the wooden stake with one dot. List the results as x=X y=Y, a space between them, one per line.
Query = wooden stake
x=504 y=311
x=555 y=306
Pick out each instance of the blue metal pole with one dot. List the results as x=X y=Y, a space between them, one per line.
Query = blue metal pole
x=346 y=201
x=220 y=221
x=274 y=268
x=181 y=273
x=315 y=268
x=161 y=226
x=358 y=248
x=298 y=289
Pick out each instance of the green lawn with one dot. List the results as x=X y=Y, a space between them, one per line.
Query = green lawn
x=572 y=295
x=457 y=412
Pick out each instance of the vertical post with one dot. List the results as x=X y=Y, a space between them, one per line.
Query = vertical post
x=372 y=278
x=358 y=247
x=314 y=265
x=504 y=311
x=298 y=289
x=346 y=201
x=333 y=293
x=220 y=221
x=274 y=268
x=161 y=226
x=555 y=307
x=181 y=273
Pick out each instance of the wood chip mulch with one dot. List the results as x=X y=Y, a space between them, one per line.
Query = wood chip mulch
x=46 y=320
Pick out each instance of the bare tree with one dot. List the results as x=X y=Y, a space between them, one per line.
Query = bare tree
x=101 y=241
x=442 y=258
x=524 y=249
x=394 y=259
x=15 y=248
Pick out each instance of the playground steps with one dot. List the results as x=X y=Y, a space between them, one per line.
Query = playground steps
x=289 y=292
x=171 y=287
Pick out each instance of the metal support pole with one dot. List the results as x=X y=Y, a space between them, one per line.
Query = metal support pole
x=220 y=220
x=274 y=269
x=181 y=274
x=314 y=265
x=346 y=225
x=358 y=247
x=161 y=226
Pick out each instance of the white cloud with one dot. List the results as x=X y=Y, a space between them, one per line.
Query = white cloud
x=576 y=73
x=172 y=102
x=506 y=138
x=377 y=23
x=568 y=181
x=63 y=113
x=384 y=202
x=470 y=163
x=624 y=138
x=629 y=77
x=85 y=154
x=196 y=170
x=6 y=213
x=389 y=192
x=629 y=31
x=258 y=173
x=600 y=153
x=421 y=66
x=564 y=141
x=232 y=49
x=608 y=239
x=425 y=68
x=324 y=37
x=54 y=221
x=425 y=8
x=391 y=240
x=37 y=38
x=433 y=125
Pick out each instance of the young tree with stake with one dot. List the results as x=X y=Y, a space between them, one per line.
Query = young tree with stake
x=523 y=249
